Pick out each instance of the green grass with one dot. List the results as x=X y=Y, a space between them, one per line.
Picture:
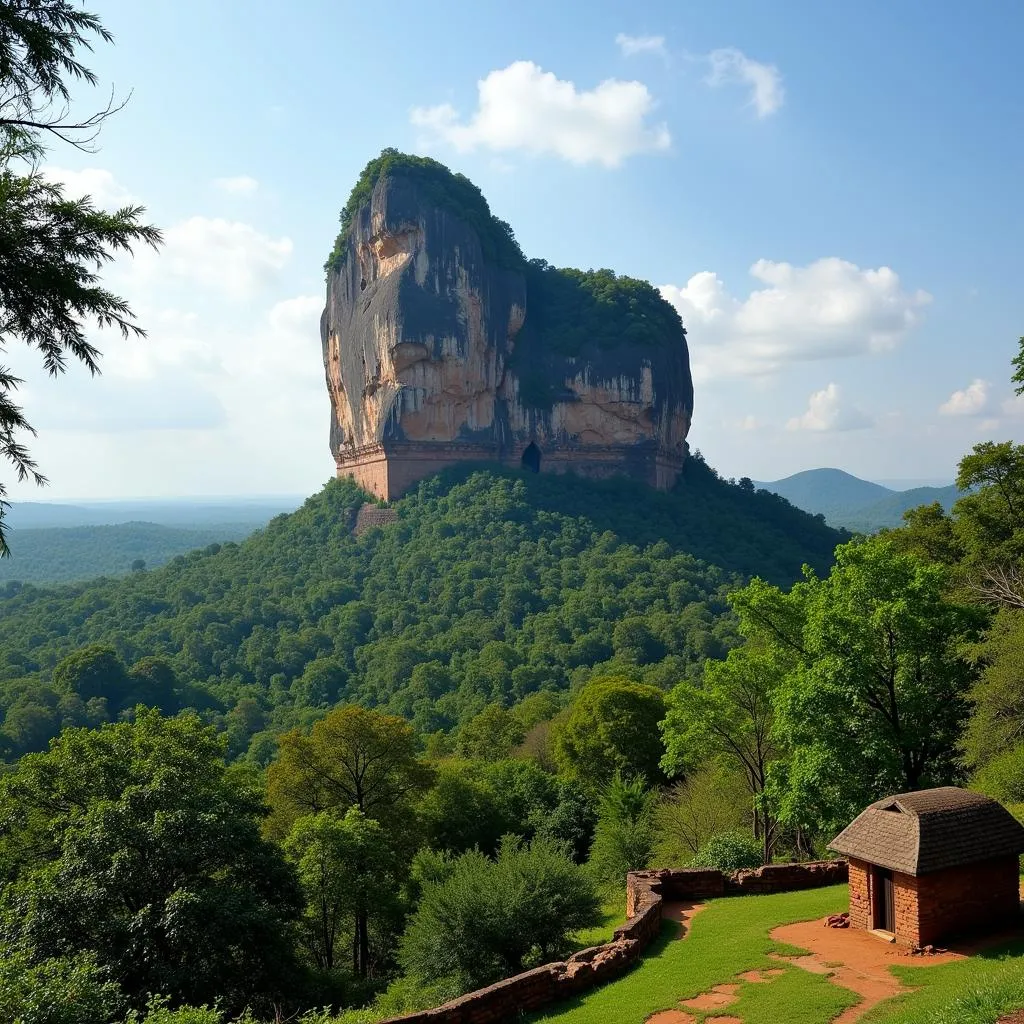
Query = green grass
x=613 y=913
x=972 y=991
x=729 y=936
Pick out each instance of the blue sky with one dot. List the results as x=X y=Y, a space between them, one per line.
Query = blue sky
x=829 y=193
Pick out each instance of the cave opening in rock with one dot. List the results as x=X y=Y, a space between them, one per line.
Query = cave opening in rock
x=531 y=458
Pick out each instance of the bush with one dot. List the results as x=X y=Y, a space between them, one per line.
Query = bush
x=624 y=837
x=729 y=851
x=56 y=991
x=488 y=917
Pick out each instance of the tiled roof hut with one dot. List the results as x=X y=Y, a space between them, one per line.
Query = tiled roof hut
x=932 y=863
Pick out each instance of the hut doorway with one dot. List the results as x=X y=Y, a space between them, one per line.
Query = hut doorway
x=531 y=458
x=883 y=904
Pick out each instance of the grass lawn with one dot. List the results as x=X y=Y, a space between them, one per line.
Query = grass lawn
x=729 y=936
x=973 y=991
x=613 y=913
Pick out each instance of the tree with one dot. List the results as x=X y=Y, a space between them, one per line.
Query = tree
x=624 y=836
x=730 y=714
x=612 y=726
x=712 y=800
x=875 y=697
x=93 y=671
x=353 y=757
x=347 y=869
x=134 y=843
x=491 y=735
x=483 y=918
x=1018 y=364
x=50 y=247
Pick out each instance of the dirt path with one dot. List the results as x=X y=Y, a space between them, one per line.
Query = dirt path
x=854 y=960
x=682 y=913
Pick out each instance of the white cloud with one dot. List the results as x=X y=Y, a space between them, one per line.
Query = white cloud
x=106 y=192
x=970 y=401
x=226 y=256
x=632 y=45
x=1014 y=407
x=827 y=309
x=748 y=422
x=825 y=412
x=730 y=66
x=242 y=185
x=523 y=107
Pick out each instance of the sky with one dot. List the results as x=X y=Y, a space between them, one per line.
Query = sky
x=828 y=193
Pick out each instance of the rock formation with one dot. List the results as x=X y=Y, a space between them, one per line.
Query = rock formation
x=441 y=345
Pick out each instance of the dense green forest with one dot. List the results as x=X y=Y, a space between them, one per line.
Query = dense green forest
x=62 y=554
x=490 y=587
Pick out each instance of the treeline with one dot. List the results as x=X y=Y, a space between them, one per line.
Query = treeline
x=491 y=587
x=62 y=554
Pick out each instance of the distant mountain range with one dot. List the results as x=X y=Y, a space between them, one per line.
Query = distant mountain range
x=847 y=501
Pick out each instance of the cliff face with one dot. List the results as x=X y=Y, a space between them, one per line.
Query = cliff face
x=428 y=347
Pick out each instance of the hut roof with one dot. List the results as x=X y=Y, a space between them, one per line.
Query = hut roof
x=931 y=829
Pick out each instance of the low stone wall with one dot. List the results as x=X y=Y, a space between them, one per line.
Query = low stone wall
x=646 y=891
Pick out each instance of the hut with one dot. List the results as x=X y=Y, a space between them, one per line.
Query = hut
x=933 y=863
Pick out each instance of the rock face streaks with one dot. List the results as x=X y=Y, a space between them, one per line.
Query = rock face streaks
x=427 y=346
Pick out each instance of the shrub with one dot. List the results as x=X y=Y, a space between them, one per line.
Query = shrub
x=729 y=851
x=488 y=917
x=56 y=991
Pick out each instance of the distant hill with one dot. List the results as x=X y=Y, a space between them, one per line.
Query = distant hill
x=64 y=554
x=185 y=513
x=846 y=501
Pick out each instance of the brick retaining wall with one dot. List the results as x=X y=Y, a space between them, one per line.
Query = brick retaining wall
x=645 y=893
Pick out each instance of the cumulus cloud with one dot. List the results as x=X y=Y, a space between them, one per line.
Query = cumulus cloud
x=730 y=66
x=242 y=185
x=828 y=308
x=226 y=256
x=104 y=189
x=632 y=45
x=523 y=107
x=969 y=401
x=825 y=412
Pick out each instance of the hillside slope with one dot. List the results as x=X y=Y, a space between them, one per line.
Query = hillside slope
x=490 y=586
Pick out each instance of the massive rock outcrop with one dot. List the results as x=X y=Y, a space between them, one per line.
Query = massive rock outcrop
x=442 y=344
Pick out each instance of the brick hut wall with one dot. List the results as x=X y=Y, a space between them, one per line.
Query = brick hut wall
x=860 y=900
x=985 y=895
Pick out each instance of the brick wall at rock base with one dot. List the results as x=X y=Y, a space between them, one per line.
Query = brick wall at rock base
x=645 y=893
x=388 y=471
x=942 y=904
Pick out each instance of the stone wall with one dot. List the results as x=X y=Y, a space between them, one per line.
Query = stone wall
x=369 y=516
x=646 y=891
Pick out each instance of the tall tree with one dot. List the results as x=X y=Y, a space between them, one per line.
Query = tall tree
x=730 y=714
x=353 y=757
x=51 y=247
x=347 y=868
x=612 y=726
x=876 y=696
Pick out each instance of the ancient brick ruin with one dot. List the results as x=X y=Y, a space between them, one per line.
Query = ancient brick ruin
x=646 y=892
